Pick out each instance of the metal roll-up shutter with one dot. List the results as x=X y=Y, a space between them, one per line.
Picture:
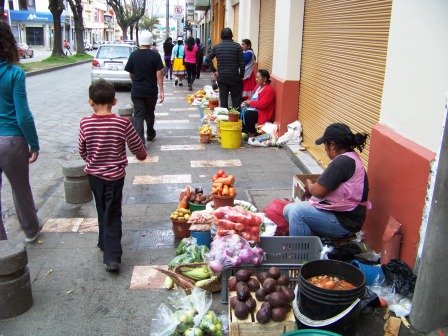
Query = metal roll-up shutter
x=342 y=68
x=266 y=35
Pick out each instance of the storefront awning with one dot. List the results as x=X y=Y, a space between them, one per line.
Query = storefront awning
x=19 y=15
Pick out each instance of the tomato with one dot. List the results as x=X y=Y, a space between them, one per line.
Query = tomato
x=215 y=177
x=220 y=173
x=246 y=235
x=239 y=226
x=254 y=230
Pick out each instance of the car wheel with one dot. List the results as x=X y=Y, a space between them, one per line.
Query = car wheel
x=32 y=55
x=24 y=56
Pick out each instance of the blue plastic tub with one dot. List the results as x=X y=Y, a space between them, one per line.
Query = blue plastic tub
x=202 y=237
x=372 y=273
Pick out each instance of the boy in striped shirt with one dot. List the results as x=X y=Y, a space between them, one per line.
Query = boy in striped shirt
x=102 y=144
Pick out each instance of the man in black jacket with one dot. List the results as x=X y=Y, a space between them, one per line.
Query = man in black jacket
x=230 y=72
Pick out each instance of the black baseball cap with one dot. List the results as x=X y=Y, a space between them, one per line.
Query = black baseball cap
x=336 y=132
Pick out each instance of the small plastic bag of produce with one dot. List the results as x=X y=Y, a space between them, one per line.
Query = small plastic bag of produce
x=189 y=316
x=232 y=250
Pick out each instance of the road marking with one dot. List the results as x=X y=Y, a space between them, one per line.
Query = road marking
x=216 y=163
x=162 y=179
x=182 y=109
x=166 y=98
x=182 y=147
x=193 y=115
x=161 y=114
x=175 y=121
x=149 y=159
x=71 y=225
x=146 y=277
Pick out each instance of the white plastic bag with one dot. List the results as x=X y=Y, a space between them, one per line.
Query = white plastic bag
x=293 y=133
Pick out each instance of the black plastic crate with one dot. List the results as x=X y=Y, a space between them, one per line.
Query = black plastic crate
x=287 y=253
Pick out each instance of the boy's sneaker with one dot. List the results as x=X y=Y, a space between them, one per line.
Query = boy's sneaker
x=180 y=84
x=176 y=82
x=113 y=267
x=33 y=238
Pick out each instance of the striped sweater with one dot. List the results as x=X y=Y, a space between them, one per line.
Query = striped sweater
x=230 y=61
x=102 y=144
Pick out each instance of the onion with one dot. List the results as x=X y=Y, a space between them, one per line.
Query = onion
x=258 y=251
x=257 y=260
x=215 y=266
x=246 y=255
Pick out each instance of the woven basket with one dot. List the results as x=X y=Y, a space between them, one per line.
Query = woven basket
x=213 y=287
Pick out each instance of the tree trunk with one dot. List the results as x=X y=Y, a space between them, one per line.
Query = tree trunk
x=76 y=7
x=131 y=30
x=125 y=32
x=56 y=7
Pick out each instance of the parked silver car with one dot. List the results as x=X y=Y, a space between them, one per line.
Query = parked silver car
x=110 y=61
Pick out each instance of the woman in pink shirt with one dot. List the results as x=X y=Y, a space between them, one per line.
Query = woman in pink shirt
x=190 y=61
x=338 y=199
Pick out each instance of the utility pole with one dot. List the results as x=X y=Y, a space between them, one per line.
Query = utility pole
x=431 y=290
x=167 y=18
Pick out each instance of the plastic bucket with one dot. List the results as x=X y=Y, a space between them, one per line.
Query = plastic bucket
x=195 y=207
x=234 y=117
x=218 y=129
x=318 y=304
x=181 y=229
x=372 y=273
x=205 y=138
x=222 y=201
x=202 y=237
x=231 y=134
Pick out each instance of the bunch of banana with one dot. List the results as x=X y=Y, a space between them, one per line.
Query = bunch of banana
x=200 y=272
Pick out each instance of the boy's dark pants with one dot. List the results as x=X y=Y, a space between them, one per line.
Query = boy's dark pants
x=108 y=196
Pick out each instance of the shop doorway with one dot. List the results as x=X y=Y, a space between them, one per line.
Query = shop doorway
x=35 y=35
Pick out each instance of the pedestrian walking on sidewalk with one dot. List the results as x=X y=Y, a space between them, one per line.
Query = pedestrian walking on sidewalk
x=19 y=144
x=67 y=47
x=199 y=57
x=249 y=82
x=191 y=51
x=146 y=69
x=167 y=52
x=230 y=70
x=102 y=144
x=177 y=59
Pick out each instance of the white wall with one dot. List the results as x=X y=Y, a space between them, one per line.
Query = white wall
x=249 y=22
x=416 y=77
x=288 y=39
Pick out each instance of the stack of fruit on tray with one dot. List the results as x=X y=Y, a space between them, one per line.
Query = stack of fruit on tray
x=273 y=296
x=205 y=133
x=223 y=184
x=235 y=220
x=180 y=215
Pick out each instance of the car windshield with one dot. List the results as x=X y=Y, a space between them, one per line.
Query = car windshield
x=113 y=52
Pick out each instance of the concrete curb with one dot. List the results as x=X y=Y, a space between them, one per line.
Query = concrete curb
x=38 y=72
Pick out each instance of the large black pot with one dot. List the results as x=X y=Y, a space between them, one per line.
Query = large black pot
x=321 y=304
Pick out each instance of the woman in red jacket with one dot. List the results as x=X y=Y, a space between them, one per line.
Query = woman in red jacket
x=260 y=107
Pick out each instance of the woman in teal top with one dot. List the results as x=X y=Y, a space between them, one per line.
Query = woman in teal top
x=19 y=144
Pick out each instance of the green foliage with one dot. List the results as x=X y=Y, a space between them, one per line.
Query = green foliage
x=54 y=61
x=148 y=23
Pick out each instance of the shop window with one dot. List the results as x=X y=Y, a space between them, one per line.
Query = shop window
x=23 y=5
x=11 y=4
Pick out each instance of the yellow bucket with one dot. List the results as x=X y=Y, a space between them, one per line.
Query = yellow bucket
x=218 y=130
x=230 y=134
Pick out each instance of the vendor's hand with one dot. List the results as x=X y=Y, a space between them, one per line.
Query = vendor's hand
x=308 y=183
x=215 y=75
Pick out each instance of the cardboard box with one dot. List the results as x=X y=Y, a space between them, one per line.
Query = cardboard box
x=298 y=186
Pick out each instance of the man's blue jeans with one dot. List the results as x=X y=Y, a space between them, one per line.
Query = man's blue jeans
x=306 y=220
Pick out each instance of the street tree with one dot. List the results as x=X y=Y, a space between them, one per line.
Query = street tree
x=76 y=7
x=56 y=8
x=148 y=23
x=128 y=12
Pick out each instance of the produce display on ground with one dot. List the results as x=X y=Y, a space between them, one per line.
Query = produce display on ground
x=223 y=184
x=188 y=315
x=232 y=220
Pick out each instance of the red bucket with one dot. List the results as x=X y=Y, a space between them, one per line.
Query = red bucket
x=222 y=201
x=181 y=229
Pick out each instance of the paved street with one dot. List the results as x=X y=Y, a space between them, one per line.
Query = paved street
x=73 y=294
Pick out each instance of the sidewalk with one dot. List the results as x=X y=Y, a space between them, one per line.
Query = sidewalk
x=74 y=295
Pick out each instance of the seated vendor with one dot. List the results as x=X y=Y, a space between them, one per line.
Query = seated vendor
x=260 y=107
x=338 y=203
